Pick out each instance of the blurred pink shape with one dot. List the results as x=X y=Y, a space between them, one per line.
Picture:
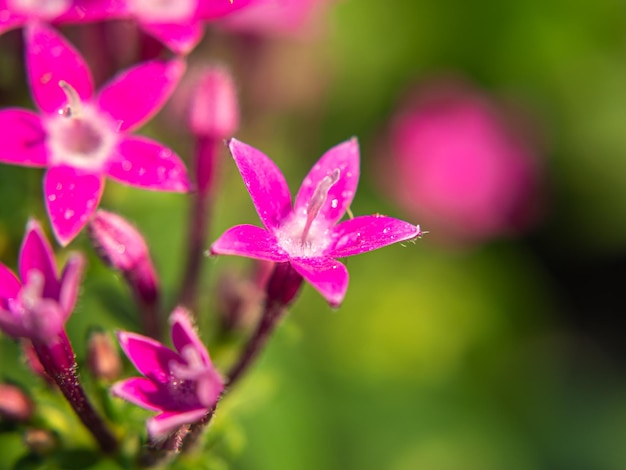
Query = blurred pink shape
x=459 y=167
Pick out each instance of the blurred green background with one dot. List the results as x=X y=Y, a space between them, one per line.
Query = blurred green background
x=503 y=355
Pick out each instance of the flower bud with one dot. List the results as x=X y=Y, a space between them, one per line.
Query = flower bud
x=214 y=111
x=14 y=404
x=283 y=285
x=102 y=357
x=40 y=441
x=120 y=245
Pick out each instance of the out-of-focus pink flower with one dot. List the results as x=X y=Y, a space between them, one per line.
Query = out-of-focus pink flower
x=179 y=24
x=16 y=13
x=38 y=306
x=184 y=386
x=81 y=138
x=458 y=166
x=275 y=17
x=308 y=235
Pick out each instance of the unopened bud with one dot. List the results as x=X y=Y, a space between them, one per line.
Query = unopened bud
x=238 y=302
x=14 y=403
x=121 y=246
x=40 y=441
x=214 y=111
x=102 y=357
x=283 y=285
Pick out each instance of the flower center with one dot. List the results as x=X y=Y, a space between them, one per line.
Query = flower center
x=164 y=11
x=78 y=135
x=307 y=237
x=186 y=377
x=46 y=9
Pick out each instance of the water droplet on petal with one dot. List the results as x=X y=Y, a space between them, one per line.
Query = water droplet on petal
x=52 y=197
x=126 y=165
x=69 y=213
x=59 y=187
x=334 y=203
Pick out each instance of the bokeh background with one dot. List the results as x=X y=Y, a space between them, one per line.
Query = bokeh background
x=470 y=349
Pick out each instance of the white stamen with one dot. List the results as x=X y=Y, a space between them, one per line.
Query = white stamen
x=317 y=200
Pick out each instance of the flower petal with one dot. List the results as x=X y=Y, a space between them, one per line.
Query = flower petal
x=71 y=198
x=150 y=357
x=345 y=158
x=11 y=325
x=97 y=10
x=367 y=233
x=9 y=283
x=328 y=276
x=23 y=138
x=36 y=255
x=70 y=282
x=147 y=164
x=210 y=10
x=8 y=19
x=179 y=38
x=135 y=95
x=165 y=423
x=249 y=241
x=266 y=184
x=50 y=59
x=140 y=391
x=184 y=334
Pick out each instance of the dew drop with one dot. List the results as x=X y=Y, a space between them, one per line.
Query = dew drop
x=334 y=203
x=69 y=213
x=52 y=197
x=126 y=165
x=59 y=187
x=385 y=230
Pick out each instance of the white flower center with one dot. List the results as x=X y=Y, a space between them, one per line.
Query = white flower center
x=164 y=11
x=45 y=9
x=304 y=235
x=79 y=135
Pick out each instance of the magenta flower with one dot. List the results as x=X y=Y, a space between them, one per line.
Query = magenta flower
x=16 y=13
x=184 y=386
x=179 y=24
x=459 y=166
x=81 y=138
x=308 y=235
x=38 y=306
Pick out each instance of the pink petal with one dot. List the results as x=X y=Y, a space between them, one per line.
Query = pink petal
x=50 y=59
x=213 y=9
x=165 y=423
x=179 y=38
x=96 y=10
x=70 y=282
x=71 y=197
x=184 y=334
x=251 y=242
x=36 y=255
x=345 y=158
x=8 y=19
x=150 y=357
x=11 y=325
x=135 y=95
x=328 y=276
x=140 y=391
x=367 y=233
x=148 y=164
x=23 y=138
x=9 y=283
x=266 y=184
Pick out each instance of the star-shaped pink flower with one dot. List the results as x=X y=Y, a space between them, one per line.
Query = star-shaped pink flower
x=182 y=385
x=308 y=235
x=38 y=306
x=81 y=137
x=16 y=13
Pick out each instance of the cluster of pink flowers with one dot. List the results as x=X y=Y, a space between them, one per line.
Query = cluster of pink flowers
x=82 y=136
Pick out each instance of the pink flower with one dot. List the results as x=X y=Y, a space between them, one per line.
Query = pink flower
x=308 y=235
x=38 y=306
x=183 y=385
x=81 y=138
x=179 y=24
x=458 y=166
x=16 y=13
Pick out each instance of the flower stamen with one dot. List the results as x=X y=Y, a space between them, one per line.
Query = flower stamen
x=73 y=109
x=317 y=201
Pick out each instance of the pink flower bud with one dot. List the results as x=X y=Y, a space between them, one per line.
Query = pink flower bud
x=102 y=357
x=14 y=404
x=121 y=246
x=214 y=110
